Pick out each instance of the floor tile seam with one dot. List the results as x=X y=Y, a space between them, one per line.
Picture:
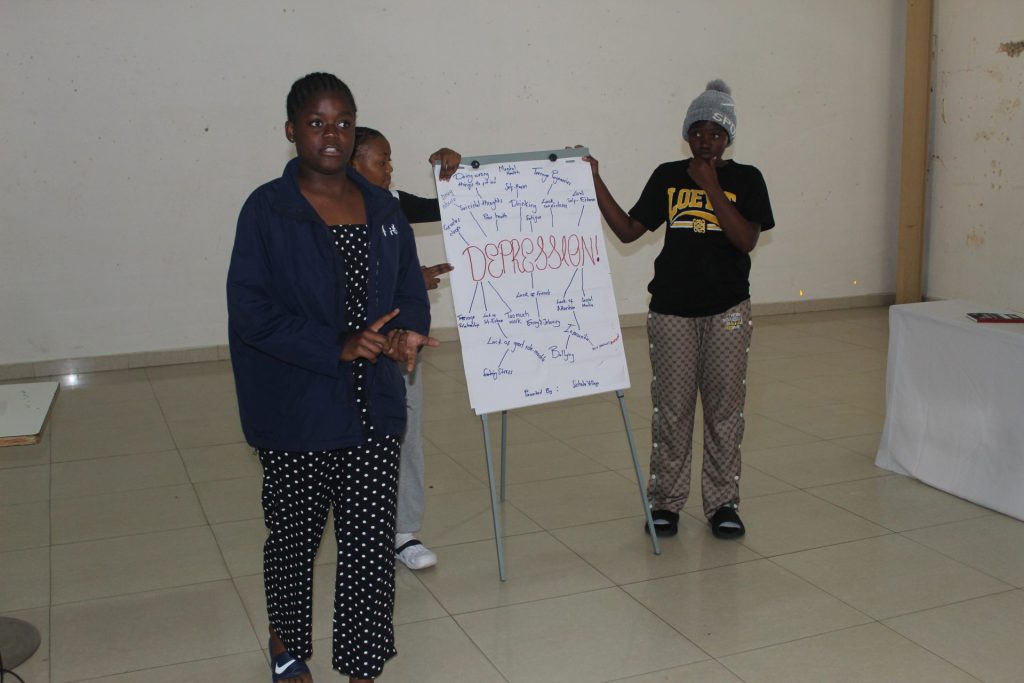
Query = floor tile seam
x=584 y=560
x=479 y=649
x=149 y=591
x=822 y=588
x=665 y=670
x=65 y=498
x=220 y=481
x=455 y=614
x=118 y=455
x=139 y=534
x=201 y=444
x=504 y=534
x=24 y=550
x=640 y=453
x=687 y=572
x=62 y=420
x=810 y=436
x=812 y=636
x=173 y=447
x=83 y=402
x=214 y=481
x=758 y=354
x=155 y=589
x=980 y=596
x=241 y=601
x=558 y=435
x=824 y=355
x=119 y=674
x=927 y=649
x=960 y=562
x=811 y=492
x=637 y=515
x=460 y=467
x=983 y=512
x=604 y=469
x=825 y=404
x=865 y=345
x=954 y=603
x=841 y=438
x=779 y=448
x=698 y=570
x=186 y=483
x=55 y=544
x=49 y=582
x=661 y=619
x=533 y=601
x=831 y=483
x=100 y=434
x=837 y=430
x=111 y=407
x=886 y=532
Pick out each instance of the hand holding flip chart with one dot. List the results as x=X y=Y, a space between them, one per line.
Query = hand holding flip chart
x=531 y=286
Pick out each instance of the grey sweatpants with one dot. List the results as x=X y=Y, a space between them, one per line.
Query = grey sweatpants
x=690 y=355
x=410 y=472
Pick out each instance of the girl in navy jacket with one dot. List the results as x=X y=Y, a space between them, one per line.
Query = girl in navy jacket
x=325 y=298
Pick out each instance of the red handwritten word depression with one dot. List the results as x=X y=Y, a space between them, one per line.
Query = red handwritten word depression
x=536 y=253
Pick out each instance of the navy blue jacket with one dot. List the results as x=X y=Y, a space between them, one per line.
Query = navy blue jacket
x=286 y=308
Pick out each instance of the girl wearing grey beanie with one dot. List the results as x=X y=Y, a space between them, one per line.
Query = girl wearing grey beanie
x=699 y=324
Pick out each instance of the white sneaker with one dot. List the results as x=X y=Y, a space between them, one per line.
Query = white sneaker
x=414 y=555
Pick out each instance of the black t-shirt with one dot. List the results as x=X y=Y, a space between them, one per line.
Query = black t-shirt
x=419 y=209
x=699 y=272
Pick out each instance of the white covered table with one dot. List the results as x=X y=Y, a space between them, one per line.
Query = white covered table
x=955 y=403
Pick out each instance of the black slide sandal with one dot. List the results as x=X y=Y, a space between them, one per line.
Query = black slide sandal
x=726 y=523
x=665 y=523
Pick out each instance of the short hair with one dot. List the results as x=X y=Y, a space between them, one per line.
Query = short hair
x=364 y=136
x=312 y=84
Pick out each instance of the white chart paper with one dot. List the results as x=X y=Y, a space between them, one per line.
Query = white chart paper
x=531 y=286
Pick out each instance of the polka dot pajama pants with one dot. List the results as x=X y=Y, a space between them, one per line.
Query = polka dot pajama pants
x=361 y=484
x=706 y=355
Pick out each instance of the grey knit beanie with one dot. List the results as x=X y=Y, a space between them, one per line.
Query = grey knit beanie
x=714 y=104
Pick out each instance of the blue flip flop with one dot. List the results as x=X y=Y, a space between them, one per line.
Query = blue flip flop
x=285 y=666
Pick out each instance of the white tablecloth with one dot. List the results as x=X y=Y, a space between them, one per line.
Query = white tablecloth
x=955 y=403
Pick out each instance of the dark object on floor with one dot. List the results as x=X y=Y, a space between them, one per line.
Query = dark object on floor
x=18 y=641
x=284 y=665
x=726 y=523
x=665 y=523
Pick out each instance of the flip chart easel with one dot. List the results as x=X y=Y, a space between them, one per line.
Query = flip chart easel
x=532 y=292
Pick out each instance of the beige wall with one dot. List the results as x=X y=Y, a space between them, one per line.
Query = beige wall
x=975 y=241
x=133 y=130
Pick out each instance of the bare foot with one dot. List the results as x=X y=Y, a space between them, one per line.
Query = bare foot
x=276 y=648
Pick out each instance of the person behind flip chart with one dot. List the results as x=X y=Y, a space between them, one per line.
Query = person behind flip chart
x=326 y=305
x=699 y=324
x=372 y=158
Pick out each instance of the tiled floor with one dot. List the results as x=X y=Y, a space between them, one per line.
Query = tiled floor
x=131 y=536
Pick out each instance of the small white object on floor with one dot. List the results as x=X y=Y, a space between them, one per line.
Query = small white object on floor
x=412 y=553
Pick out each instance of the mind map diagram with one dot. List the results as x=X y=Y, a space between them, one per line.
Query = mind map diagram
x=532 y=290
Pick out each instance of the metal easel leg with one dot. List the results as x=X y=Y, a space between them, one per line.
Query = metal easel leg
x=498 y=541
x=504 y=450
x=639 y=472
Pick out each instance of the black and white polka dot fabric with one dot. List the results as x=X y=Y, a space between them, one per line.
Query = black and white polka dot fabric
x=361 y=484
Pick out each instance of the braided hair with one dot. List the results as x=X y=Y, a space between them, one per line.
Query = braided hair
x=312 y=84
x=364 y=136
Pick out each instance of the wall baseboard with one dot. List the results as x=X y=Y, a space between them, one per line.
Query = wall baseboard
x=199 y=354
